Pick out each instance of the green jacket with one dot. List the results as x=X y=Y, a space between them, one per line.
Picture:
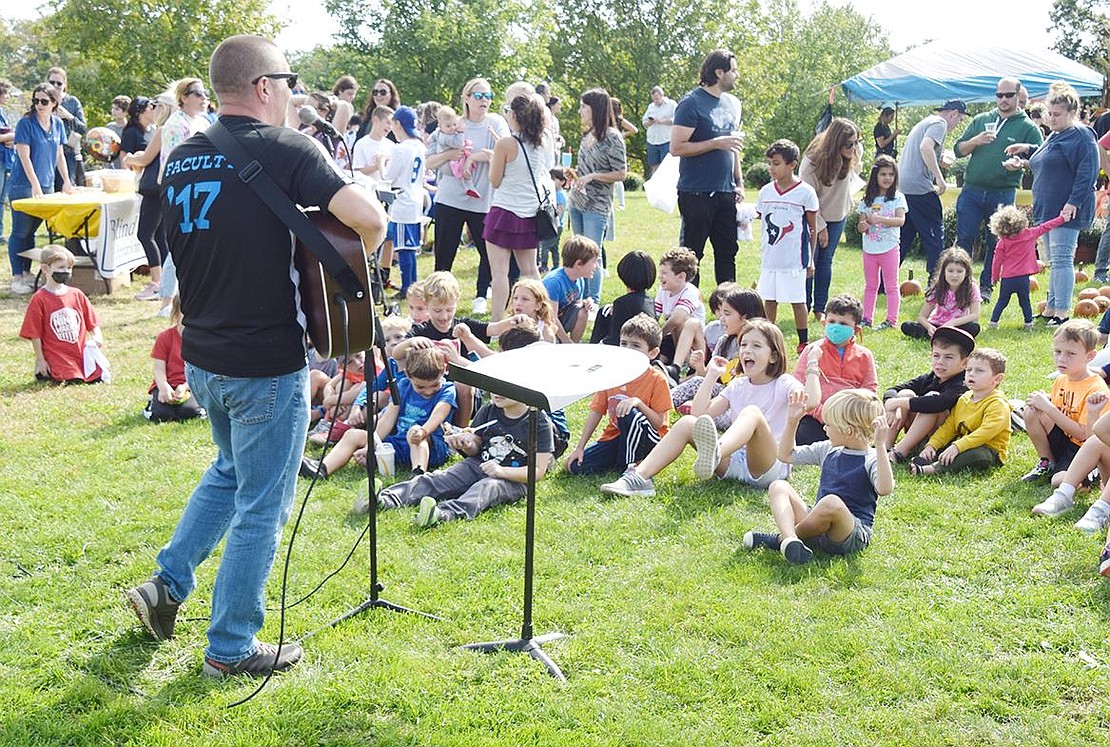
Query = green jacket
x=984 y=168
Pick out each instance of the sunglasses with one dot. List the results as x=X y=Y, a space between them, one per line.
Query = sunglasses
x=43 y=102
x=488 y=96
x=381 y=92
x=58 y=83
x=290 y=78
x=1005 y=94
x=198 y=94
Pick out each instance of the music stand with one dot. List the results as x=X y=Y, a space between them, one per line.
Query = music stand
x=545 y=377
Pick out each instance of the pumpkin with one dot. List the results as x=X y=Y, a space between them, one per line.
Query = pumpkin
x=909 y=288
x=1033 y=284
x=1081 y=276
x=1103 y=302
x=1040 y=306
x=1104 y=291
x=1087 y=293
x=1086 y=308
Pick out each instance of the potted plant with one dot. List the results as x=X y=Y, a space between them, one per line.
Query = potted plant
x=1087 y=245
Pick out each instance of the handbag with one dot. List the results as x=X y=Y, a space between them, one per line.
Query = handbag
x=546 y=222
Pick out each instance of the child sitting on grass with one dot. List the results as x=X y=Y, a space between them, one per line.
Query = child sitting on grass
x=679 y=307
x=756 y=403
x=637 y=410
x=1059 y=423
x=976 y=434
x=637 y=271
x=853 y=476
x=952 y=298
x=62 y=326
x=921 y=404
x=566 y=287
x=413 y=427
x=170 y=398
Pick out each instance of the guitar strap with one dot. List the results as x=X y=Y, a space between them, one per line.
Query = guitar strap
x=251 y=173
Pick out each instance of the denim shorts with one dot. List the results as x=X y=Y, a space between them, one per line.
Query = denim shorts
x=858 y=540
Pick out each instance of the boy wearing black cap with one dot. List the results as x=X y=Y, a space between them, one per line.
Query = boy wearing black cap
x=976 y=434
x=921 y=404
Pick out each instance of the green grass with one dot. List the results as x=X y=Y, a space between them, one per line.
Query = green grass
x=961 y=625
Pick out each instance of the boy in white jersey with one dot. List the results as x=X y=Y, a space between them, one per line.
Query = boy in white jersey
x=786 y=204
x=679 y=306
x=405 y=171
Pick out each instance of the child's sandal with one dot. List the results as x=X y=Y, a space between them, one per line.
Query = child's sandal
x=896 y=456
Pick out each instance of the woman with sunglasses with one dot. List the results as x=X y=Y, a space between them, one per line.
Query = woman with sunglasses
x=831 y=166
x=39 y=136
x=454 y=207
x=382 y=93
x=135 y=141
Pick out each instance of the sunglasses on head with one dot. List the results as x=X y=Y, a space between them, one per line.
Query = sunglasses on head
x=380 y=91
x=290 y=78
x=488 y=96
x=1005 y=94
x=43 y=102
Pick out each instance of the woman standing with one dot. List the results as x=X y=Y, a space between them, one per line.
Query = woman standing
x=344 y=91
x=135 y=140
x=382 y=93
x=454 y=207
x=830 y=166
x=39 y=135
x=1064 y=170
x=601 y=162
x=517 y=172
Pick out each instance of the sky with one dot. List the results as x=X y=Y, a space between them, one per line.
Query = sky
x=908 y=24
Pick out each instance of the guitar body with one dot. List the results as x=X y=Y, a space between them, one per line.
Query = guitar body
x=319 y=292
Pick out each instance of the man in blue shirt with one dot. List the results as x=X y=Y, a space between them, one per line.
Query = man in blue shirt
x=706 y=137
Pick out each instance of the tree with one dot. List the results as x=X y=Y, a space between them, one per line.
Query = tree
x=1083 y=34
x=136 y=47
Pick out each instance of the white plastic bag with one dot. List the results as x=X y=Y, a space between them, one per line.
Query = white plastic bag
x=662 y=187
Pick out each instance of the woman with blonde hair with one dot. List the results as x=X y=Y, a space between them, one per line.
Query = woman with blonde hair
x=831 y=166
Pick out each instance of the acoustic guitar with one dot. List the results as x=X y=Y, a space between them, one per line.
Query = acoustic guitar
x=321 y=295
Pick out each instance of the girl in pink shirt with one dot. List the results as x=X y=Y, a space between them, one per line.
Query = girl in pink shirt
x=951 y=298
x=1015 y=258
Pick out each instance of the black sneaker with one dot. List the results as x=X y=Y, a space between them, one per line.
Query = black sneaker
x=765 y=540
x=795 y=551
x=310 y=467
x=154 y=606
x=264 y=660
x=1043 y=468
x=1056 y=321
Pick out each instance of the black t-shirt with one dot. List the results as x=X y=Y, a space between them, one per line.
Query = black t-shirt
x=427 y=329
x=234 y=257
x=134 y=139
x=624 y=308
x=506 y=441
x=882 y=130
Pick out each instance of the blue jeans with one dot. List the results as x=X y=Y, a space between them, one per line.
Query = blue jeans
x=656 y=153
x=1061 y=273
x=5 y=182
x=973 y=206
x=1102 y=257
x=924 y=218
x=258 y=426
x=817 y=287
x=592 y=226
x=23 y=234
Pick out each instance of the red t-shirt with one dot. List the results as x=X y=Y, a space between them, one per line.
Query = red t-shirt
x=62 y=322
x=168 y=348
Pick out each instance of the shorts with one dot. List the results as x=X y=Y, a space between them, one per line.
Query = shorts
x=783 y=286
x=1062 y=447
x=568 y=315
x=738 y=470
x=404 y=235
x=858 y=540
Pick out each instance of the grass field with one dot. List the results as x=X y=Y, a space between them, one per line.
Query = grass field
x=967 y=621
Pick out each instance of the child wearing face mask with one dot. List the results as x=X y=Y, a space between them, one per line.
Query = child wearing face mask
x=840 y=362
x=63 y=327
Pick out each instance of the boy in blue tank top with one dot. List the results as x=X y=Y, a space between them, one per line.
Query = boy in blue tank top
x=853 y=476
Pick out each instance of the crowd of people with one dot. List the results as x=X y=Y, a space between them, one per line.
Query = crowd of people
x=234 y=352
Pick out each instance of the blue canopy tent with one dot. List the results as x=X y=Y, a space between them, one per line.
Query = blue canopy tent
x=940 y=71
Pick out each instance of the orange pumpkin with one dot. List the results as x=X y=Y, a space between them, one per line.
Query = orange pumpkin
x=909 y=288
x=1087 y=293
x=1081 y=276
x=1103 y=303
x=1086 y=308
x=1033 y=284
x=1040 y=306
x=1104 y=291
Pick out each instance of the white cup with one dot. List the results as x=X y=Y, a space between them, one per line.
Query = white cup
x=386 y=459
x=990 y=127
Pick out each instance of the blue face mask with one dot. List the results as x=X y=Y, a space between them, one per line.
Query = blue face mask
x=837 y=333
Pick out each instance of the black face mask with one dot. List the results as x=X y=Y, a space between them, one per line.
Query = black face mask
x=61 y=276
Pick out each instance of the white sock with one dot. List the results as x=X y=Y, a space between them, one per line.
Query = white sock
x=1068 y=491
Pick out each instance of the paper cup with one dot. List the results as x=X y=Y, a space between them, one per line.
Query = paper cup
x=386 y=459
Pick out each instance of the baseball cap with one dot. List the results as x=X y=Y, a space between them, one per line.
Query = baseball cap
x=955 y=104
x=406 y=117
x=955 y=336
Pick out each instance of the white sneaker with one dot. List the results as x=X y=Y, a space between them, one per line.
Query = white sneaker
x=20 y=287
x=709 y=448
x=630 y=485
x=1095 y=518
x=1054 y=505
x=479 y=306
x=148 y=293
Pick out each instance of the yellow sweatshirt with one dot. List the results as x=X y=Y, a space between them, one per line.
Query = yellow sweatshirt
x=972 y=424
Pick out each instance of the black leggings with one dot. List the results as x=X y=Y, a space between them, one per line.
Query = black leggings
x=1018 y=286
x=449 y=224
x=151 y=235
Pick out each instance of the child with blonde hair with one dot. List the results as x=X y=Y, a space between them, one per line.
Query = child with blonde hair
x=853 y=476
x=170 y=398
x=1015 y=258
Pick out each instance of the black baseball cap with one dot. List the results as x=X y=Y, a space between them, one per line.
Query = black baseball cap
x=955 y=336
x=955 y=104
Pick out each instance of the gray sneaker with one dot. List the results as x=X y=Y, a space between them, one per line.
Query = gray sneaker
x=154 y=606
x=1054 y=505
x=427 y=515
x=265 y=659
x=1095 y=518
x=629 y=485
x=709 y=448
